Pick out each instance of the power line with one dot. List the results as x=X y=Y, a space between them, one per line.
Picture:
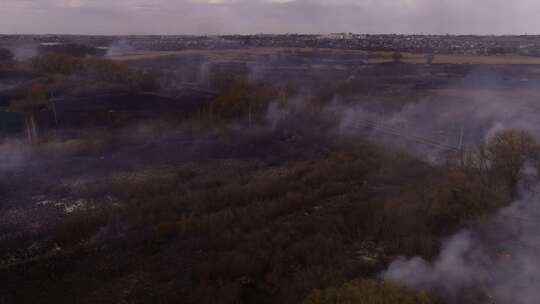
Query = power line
x=378 y=127
x=393 y=130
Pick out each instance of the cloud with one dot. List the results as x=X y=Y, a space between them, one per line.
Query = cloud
x=270 y=16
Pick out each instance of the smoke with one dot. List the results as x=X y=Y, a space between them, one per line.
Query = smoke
x=277 y=113
x=13 y=154
x=451 y=118
x=257 y=70
x=496 y=261
x=460 y=115
x=23 y=52
x=119 y=48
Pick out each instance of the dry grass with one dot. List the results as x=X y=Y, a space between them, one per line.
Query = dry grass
x=471 y=94
x=228 y=54
x=470 y=59
x=382 y=57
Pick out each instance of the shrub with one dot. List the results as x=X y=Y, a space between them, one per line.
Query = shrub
x=242 y=98
x=458 y=199
x=6 y=55
x=37 y=95
x=509 y=150
x=102 y=70
x=57 y=64
x=79 y=227
x=69 y=49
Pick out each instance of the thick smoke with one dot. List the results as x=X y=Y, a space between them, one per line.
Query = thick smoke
x=497 y=261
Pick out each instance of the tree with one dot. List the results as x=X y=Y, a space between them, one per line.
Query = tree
x=458 y=198
x=242 y=99
x=397 y=57
x=508 y=151
x=368 y=292
x=6 y=55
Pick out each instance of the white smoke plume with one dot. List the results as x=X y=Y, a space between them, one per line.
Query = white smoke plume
x=495 y=262
x=119 y=48
x=23 y=52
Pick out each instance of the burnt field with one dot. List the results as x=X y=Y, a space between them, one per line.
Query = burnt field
x=268 y=176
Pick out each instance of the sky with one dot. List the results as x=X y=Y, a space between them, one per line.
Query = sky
x=269 y=16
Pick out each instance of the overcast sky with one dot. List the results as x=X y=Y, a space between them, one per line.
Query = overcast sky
x=269 y=16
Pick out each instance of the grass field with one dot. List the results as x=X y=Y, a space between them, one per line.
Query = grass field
x=473 y=59
x=380 y=57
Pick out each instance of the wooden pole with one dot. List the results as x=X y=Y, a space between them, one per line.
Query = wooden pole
x=31 y=127
x=28 y=128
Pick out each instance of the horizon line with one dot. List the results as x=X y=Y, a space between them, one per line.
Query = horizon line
x=269 y=34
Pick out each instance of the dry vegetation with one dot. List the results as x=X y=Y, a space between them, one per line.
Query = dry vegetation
x=245 y=231
x=367 y=292
x=261 y=214
x=100 y=70
x=376 y=57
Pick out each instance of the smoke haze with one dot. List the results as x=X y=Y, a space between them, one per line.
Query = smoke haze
x=498 y=257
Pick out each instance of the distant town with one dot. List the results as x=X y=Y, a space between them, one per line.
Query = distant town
x=438 y=44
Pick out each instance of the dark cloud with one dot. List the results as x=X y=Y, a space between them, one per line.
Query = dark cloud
x=269 y=16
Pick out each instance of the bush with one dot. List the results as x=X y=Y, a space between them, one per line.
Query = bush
x=459 y=199
x=368 y=292
x=101 y=70
x=509 y=150
x=254 y=233
x=79 y=227
x=36 y=96
x=6 y=55
x=242 y=98
x=57 y=64
x=69 y=49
